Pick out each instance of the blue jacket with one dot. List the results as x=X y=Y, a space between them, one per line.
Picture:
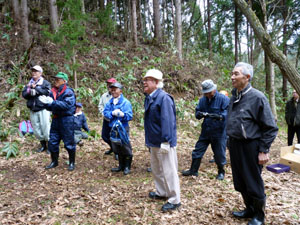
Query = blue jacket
x=160 y=119
x=212 y=128
x=64 y=103
x=80 y=122
x=124 y=105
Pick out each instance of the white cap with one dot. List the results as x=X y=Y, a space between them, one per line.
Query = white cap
x=156 y=74
x=37 y=68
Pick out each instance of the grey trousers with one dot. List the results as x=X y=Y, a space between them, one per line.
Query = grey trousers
x=41 y=124
x=78 y=135
x=164 y=169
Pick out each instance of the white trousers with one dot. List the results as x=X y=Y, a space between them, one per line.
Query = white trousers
x=164 y=169
x=41 y=124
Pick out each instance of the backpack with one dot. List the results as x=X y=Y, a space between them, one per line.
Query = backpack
x=25 y=127
x=118 y=134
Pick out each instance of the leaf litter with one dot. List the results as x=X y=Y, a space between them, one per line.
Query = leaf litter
x=92 y=194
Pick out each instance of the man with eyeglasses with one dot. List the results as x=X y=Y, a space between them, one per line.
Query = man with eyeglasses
x=161 y=138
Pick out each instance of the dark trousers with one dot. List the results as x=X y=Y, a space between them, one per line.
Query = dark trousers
x=218 y=146
x=124 y=149
x=292 y=130
x=246 y=171
x=106 y=132
x=62 y=129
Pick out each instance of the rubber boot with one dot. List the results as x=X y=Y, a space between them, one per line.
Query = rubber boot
x=248 y=212
x=72 y=155
x=127 y=164
x=44 y=146
x=54 y=162
x=121 y=165
x=212 y=161
x=259 y=212
x=221 y=173
x=108 y=152
x=193 y=171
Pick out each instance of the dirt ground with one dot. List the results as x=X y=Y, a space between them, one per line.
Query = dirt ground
x=92 y=194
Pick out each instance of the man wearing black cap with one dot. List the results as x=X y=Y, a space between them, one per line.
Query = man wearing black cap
x=62 y=104
x=105 y=125
x=120 y=109
x=80 y=123
x=213 y=108
x=39 y=117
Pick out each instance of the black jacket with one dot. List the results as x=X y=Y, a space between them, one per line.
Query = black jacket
x=250 y=117
x=292 y=113
x=33 y=102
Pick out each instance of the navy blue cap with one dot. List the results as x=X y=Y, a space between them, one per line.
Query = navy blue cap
x=78 y=104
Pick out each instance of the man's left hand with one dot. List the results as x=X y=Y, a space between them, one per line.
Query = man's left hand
x=263 y=158
x=45 y=99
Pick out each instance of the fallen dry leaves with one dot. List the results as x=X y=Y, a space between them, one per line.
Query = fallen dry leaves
x=93 y=195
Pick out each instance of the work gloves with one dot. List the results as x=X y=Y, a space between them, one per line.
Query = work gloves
x=200 y=115
x=117 y=113
x=165 y=147
x=45 y=99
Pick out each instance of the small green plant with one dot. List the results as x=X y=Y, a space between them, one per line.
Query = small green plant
x=94 y=134
x=10 y=149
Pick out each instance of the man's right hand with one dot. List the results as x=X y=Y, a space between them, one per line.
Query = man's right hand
x=200 y=115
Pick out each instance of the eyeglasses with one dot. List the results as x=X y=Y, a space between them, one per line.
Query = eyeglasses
x=148 y=79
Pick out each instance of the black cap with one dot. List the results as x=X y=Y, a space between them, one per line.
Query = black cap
x=117 y=85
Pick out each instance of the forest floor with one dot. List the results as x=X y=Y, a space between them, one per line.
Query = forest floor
x=92 y=194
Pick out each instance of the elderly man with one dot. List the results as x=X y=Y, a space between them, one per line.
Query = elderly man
x=292 y=118
x=62 y=104
x=251 y=129
x=40 y=117
x=119 y=109
x=105 y=127
x=213 y=108
x=161 y=138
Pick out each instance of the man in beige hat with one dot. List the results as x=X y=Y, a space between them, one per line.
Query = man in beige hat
x=161 y=138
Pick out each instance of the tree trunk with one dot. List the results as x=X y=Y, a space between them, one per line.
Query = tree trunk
x=157 y=25
x=82 y=7
x=75 y=73
x=101 y=4
x=285 y=34
x=24 y=24
x=179 y=29
x=116 y=10
x=53 y=15
x=298 y=55
x=286 y=68
x=16 y=9
x=139 y=19
x=134 y=23
x=163 y=21
x=174 y=20
x=269 y=67
x=209 y=30
x=236 y=35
